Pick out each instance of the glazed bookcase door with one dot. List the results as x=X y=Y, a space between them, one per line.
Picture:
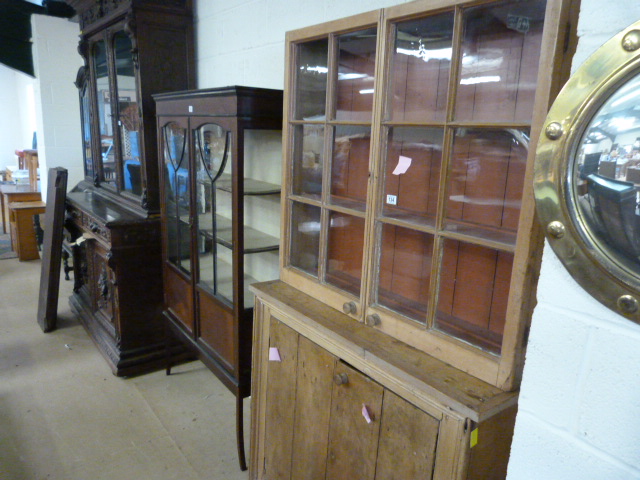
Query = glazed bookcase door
x=330 y=128
x=410 y=142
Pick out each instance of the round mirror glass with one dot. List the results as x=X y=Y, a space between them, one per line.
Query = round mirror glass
x=606 y=177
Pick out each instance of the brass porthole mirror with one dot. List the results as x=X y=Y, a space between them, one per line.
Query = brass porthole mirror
x=587 y=174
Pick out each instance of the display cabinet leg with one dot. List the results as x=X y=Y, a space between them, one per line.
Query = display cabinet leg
x=167 y=348
x=240 y=433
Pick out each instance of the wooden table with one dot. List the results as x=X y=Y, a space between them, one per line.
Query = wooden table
x=15 y=193
x=23 y=235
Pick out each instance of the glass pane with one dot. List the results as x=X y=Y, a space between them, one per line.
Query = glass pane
x=486 y=182
x=344 y=252
x=308 y=158
x=356 y=74
x=500 y=54
x=176 y=165
x=412 y=174
x=405 y=271
x=474 y=289
x=212 y=153
x=350 y=166
x=103 y=98
x=311 y=80
x=606 y=176
x=85 y=109
x=420 y=67
x=128 y=116
x=305 y=237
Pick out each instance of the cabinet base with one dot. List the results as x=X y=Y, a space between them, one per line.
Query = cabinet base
x=123 y=362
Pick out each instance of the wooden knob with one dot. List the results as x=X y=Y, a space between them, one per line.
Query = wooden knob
x=341 y=379
x=349 y=307
x=373 y=319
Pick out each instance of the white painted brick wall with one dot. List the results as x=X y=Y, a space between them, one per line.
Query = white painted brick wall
x=56 y=63
x=579 y=410
x=241 y=42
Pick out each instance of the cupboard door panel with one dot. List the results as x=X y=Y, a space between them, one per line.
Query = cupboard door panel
x=353 y=441
x=217 y=329
x=313 y=402
x=281 y=398
x=408 y=440
x=178 y=297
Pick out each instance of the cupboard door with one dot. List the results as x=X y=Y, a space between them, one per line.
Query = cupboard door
x=280 y=401
x=102 y=282
x=408 y=439
x=354 y=427
x=313 y=400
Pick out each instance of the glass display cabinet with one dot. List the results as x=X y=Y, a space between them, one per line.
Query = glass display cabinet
x=131 y=50
x=409 y=248
x=221 y=156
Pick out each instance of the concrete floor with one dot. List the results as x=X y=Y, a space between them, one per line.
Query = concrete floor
x=64 y=416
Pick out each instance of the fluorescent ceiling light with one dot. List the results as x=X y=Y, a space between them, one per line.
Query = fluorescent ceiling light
x=475 y=80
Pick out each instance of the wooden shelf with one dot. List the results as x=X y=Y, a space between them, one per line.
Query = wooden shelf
x=251 y=186
x=255 y=241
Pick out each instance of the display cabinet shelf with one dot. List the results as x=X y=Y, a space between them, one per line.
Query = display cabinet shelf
x=255 y=241
x=250 y=186
x=221 y=165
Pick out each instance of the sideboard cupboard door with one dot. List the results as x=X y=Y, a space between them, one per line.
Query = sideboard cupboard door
x=326 y=420
x=405 y=428
x=314 y=382
x=356 y=409
x=281 y=400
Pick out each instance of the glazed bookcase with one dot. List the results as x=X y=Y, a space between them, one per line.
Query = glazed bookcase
x=441 y=255
x=410 y=251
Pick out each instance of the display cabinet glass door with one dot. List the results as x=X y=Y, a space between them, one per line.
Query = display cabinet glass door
x=213 y=163
x=118 y=113
x=177 y=195
x=107 y=153
x=128 y=115
x=85 y=122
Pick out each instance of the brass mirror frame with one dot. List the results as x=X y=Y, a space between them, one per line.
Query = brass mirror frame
x=606 y=278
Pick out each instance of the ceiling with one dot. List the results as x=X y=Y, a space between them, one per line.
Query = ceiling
x=15 y=29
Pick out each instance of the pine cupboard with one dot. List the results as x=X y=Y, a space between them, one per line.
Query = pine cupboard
x=316 y=373
x=410 y=250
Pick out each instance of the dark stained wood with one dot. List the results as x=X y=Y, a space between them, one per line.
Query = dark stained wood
x=178 y=298
x=118 y=274
x=218 y=327
x=281 y=399
x=118 y=282
x=52 y=249
x=353 y=442
x=217 y=330
x=408 y=439
x=313 y=407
